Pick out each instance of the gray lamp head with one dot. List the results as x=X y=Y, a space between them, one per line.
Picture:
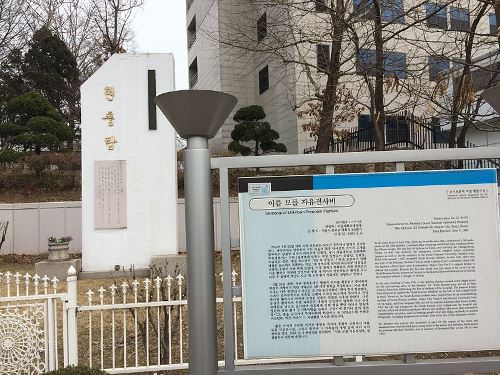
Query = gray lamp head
x=196 y=112
x=492 y=96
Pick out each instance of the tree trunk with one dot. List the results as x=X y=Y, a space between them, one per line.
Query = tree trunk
x=461 y=137
x=326 y=117
x=379 y=110
x=329 y=99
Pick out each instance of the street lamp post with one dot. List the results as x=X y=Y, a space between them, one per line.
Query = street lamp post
x=197 y=115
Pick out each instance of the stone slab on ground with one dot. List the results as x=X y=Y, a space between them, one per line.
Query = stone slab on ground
x=57 y=269
x=167 y=264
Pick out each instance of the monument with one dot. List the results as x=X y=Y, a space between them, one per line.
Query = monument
x=129 y=167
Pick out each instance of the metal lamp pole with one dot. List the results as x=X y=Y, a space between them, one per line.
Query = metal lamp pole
x=197 y=116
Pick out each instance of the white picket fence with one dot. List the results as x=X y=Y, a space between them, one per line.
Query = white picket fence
x=127 y=327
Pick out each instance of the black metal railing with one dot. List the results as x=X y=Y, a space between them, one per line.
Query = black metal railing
x=404 y=133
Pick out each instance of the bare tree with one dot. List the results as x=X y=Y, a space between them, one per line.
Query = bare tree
x=369 y=54
x=12 y=26
x=75 y=25
x=4 y=225
x=474 y=61
x=92 y=29
x=112 y=18
x=305 y=40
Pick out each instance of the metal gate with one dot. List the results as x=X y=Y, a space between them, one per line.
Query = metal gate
x=35 y=323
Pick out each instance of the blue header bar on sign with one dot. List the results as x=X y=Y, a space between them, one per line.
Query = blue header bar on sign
x=396 y=179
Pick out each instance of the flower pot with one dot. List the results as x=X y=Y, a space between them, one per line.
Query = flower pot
x=58 y=251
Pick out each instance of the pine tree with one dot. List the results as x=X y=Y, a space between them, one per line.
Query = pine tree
x=34 y=124
x=51 y=69
x=249 y=128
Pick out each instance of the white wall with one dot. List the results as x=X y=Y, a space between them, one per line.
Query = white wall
x=30 y=224
x=150 y=156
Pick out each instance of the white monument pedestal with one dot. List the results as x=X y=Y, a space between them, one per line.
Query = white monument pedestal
x=129 y=171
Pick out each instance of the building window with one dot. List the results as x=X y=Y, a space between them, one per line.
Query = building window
x=320 y=6
x=438 y=134
x=365 y=129
x=264 y=80
x=366 y=62
x=493 y=24
x=397 y=129
x=191 y=33
x=437 y=64
x=392 y=11
x=437 y=16
x=193 y=73
x=323 y=56
x=262 y=27
x=394 y=63
x=459 y=19
x=363 y=8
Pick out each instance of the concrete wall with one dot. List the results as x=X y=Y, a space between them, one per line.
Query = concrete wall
x=30 y=224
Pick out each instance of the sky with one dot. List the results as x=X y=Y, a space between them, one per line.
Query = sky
x=160 y=26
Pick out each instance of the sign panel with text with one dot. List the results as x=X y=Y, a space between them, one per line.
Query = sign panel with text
x=110 y=194
x=401 y=262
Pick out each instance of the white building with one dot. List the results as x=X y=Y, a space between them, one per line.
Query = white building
x=218 y=28
x=484 y=127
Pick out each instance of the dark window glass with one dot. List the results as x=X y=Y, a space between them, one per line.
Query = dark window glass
x=395 y=63
x=264 y=80
x=392 y=11
x=320 y=6
x=366 y=62
x=365 y=129
x=193 y=73
x=437 y=16
x=363 y=8
x=459 y=19
x=323 y=56
x=437 y=65
x=397 y=129
x=493 y=24
x=262 y=27
x=438 y=134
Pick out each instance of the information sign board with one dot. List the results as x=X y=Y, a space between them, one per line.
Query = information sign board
x=401 y=262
